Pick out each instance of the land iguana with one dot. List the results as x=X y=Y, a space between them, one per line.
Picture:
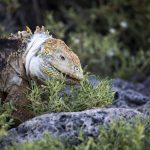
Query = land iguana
x=37 y=56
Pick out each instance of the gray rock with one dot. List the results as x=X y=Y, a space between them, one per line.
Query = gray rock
x=66 y=125
x=131 y=95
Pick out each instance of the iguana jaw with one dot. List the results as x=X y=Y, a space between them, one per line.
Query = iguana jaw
x=50 y=71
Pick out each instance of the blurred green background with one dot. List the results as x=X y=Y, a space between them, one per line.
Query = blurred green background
x=111 y=38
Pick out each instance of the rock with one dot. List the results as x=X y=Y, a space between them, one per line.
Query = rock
x=129 y=95
x=66 y=125
x=131 y=99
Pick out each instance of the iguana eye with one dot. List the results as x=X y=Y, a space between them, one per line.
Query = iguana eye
x=62 y=57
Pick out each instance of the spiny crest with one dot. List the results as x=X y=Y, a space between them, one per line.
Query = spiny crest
x=41 y=30
x=36 y=39
x=28 y=33
x=51 y=45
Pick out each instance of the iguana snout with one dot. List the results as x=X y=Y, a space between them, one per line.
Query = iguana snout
x=58 y=56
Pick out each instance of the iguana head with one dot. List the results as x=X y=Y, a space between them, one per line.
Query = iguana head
x=47 y=57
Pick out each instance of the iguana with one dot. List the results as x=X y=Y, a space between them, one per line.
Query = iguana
x=38 y=56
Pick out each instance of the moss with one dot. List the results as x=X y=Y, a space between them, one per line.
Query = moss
x=52 y=97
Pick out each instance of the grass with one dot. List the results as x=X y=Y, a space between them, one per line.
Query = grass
x=52 y=96
x=118 y=135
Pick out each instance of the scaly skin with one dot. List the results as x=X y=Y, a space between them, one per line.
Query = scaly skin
x=26 y=56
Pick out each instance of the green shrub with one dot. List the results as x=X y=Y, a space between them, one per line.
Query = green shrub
x=105 y=55
x=47 y=143
x=56 y=28
x=46 y=98
x=109 y=41
x=118 y=135
x=5 y=117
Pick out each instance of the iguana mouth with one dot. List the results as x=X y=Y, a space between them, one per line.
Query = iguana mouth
x=68 y=79
x=71 y=80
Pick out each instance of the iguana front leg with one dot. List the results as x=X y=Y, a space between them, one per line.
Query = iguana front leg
x=19 y=98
